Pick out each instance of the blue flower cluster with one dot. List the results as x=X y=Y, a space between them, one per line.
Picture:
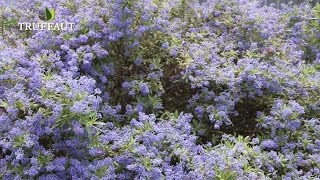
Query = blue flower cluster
x=161 y=89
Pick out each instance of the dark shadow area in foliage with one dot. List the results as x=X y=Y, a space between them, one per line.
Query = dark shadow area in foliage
x=46 y=142
x=177 y=94
x=244 y=123
x=4 y=154
x=174 y=160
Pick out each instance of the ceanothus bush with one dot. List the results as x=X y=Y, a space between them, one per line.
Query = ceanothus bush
x=150 y=89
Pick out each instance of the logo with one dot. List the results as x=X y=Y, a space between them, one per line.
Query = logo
x=49 y=15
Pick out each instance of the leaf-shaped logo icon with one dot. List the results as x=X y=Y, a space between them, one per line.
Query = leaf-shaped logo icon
x=50 y=14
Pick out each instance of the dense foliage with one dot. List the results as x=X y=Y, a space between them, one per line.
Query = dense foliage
x=161 y=89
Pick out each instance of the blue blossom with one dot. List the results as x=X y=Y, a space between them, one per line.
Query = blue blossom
x=286 y=113
x=144 y=89
x=165 y=45
x=269 y=144
x=293 y=125
x=83 y=39
x=173 y=52
x=88 y=56
x=138 y=61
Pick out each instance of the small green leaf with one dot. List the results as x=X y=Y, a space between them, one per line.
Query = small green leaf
x=19 y=141
x=101 y=171
x=4 y=104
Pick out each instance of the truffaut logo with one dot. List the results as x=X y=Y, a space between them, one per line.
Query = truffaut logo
x=49 y=15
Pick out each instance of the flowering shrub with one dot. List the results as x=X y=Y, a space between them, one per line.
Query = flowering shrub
x=171 y=89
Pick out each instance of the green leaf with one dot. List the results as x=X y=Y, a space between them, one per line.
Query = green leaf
x=19 y=141
x=101 y=171
x=19 y=105
x=88 y=120
x=43 y=159
x=4 y=104
x=147 y=163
